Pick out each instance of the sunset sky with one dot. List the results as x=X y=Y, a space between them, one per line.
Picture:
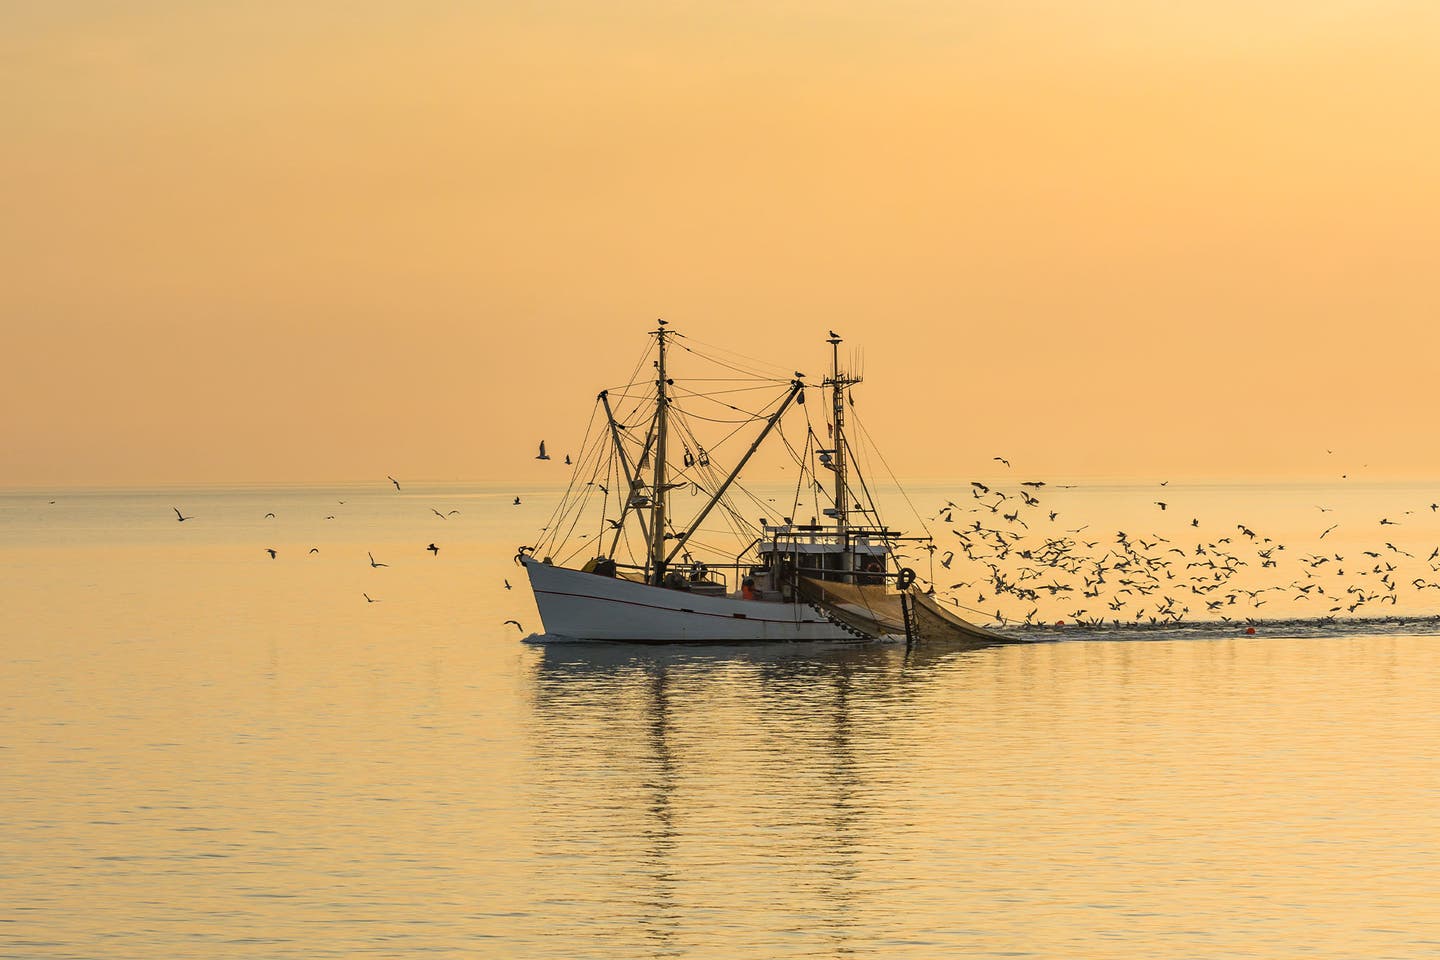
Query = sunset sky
x=338 y=240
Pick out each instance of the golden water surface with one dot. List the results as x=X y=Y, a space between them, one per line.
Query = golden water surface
x=205 y=752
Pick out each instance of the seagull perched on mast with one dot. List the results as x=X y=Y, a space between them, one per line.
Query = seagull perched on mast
x=542 y=455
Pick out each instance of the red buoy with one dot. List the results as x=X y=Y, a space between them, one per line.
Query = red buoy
x=1059 y=623
x=1249 y=631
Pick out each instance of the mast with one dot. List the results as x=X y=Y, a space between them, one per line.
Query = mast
x=838 y=383
x=659 y=494
x=842 y=495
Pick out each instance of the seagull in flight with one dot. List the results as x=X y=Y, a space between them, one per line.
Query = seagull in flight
x=517 y=625
x=368 y=598
x=271 y=551
x=180 y=517
x=437 y=513
x=393 y=480
x=542 y=455
x=1002 y=460
x=314 y=549
x=433 y=549
x=567 y=459
x=269 y=516
x=372 y=561
x=507 y=585
x=517 y=501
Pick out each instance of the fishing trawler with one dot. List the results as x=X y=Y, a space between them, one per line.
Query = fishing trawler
x=619 y=561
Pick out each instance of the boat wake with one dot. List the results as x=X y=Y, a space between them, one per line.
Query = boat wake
x=1279 y=628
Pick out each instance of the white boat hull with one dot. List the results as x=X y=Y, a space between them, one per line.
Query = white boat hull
x=584 y=606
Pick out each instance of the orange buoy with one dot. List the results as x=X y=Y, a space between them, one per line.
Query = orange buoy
x=1059 y=623
x=1249 y=631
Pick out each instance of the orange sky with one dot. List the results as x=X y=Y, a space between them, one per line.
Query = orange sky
x=336 y=240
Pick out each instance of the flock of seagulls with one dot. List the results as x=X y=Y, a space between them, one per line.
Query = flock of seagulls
x=1016 y=554
x=1019 y=565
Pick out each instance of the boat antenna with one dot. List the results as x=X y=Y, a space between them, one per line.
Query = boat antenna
x=658 y=491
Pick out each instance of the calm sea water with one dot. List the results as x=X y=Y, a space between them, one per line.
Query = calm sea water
x=207 y=752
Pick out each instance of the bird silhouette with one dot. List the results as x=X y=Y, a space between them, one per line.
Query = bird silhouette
x=517 y=501
x=314 y=549
x=437 y=513
x=269 y=516
x=542 y=455
x=1002 y=460
x=180 y=517
x=1161 y=504
x=517 y=625
x=452 y=513
x=393 y=480
x=368 y=598
x=433 y=549
x=567 y=459
x=373 y=563
x=507 y=585
x=271 y=551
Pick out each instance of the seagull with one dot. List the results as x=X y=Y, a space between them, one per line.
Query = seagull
x=437 y=513
x=314 y=549
x=542 y=455
x=393 y=480
x=269 y=516
x=517 y=625
x=1328 y=529
x=180 y=517
x=373 y=563
x=507 y=585
x=517 y=501
x=271 y=551
x=368 y=599
x=1002 y=460
x=433 y=549
x=453 y=512
x=1161 y=504
x=567 y=459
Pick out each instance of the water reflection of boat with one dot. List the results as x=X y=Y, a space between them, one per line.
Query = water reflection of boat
x=665 y=774
x=664 y=579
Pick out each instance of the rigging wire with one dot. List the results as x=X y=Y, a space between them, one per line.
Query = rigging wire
x=737 y=355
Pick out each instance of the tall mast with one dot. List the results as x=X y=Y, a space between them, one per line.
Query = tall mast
x=839 y=382
x=842 y=494
x=658 y=491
